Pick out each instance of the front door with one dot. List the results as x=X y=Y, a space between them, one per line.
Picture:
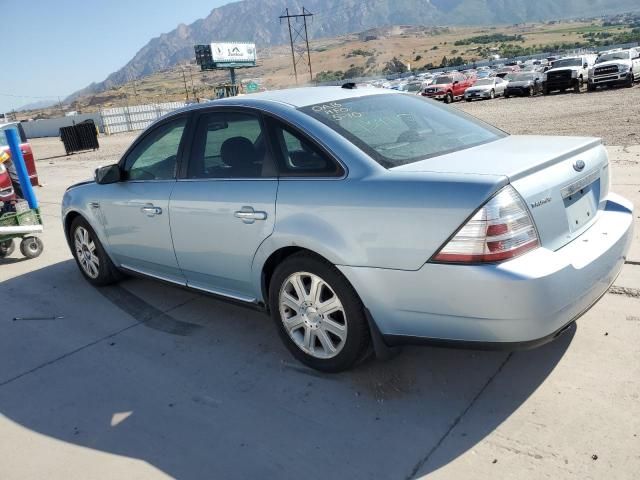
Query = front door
x=135 y=211
x=224 y=208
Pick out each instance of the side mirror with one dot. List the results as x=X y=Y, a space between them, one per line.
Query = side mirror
x=456 y=82
x=108 y=174
x=586 y=65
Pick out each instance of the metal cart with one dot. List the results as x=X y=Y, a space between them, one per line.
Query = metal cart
x=24 y=223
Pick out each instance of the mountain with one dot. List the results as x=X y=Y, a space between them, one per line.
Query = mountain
x=258 y=21
x=37 y=105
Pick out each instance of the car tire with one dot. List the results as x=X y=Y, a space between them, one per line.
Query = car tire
x=31 y=247
x=577 y=88
x=330 y=342
x=449 y=98
x=93 y=262
x=468 y=99
x=7 y=248
x=506 y=95
x=591 y=87
x=492 y=95
x=629 y=82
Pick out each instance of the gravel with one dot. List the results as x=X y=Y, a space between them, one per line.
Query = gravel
x=611 y=114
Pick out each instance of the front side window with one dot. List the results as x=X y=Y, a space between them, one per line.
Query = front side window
x=229 y=145
x=398 y=129
x=155 y=157
x=299 y=157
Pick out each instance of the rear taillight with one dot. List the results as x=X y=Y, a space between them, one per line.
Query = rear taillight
x=500 y=230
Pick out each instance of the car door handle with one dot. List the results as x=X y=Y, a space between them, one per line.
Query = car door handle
x=151 y=211
x=249 y=215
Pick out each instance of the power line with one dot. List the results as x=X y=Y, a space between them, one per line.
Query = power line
x=299 y=34
x=27 y=96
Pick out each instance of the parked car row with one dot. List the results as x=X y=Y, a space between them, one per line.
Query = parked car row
x=611 y=68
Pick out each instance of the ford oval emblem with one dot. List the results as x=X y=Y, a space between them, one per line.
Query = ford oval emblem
x=579 y=165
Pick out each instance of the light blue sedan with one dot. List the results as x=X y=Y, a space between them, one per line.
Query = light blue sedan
x=359 y=218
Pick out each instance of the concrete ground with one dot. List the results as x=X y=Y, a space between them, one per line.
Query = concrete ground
x=146 y=381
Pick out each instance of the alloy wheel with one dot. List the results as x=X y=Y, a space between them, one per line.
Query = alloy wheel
x=86 y=252
x=313 y=315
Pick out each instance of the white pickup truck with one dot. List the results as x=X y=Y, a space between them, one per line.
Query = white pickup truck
x=569 y=72
x=620 y=67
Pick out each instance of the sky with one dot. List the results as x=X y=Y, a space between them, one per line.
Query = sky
x=51 y=48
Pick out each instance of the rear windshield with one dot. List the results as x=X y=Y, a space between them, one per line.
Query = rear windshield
x=398 y=129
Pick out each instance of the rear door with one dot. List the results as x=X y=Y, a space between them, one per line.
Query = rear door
x=224 y=205
x=135 y=211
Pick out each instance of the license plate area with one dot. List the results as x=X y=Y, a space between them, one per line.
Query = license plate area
x=581 y=202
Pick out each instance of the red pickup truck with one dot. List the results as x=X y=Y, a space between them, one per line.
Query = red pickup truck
x=6 y=185
x=449 y=87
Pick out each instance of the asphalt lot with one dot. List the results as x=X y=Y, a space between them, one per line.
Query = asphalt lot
x=143 y=380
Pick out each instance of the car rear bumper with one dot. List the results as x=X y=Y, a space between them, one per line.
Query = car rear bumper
x=521 y=302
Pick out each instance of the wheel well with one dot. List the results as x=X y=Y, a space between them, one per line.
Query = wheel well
x=68 y=220
x=275 y=259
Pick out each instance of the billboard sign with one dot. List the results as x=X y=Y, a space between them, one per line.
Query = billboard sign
x=234 y=54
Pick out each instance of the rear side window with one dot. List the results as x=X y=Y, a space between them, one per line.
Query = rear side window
x=229 y=145
x=299 y=157
x=398 y=129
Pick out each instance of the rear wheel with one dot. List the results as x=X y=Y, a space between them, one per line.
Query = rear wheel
x=7 y=248
x=319 y=316
x=31 y=247
x=94 y=263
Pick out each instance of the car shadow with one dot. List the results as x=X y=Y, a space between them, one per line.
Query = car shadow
x=199 y=388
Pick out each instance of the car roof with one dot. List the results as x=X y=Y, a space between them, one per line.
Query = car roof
x=296 y=97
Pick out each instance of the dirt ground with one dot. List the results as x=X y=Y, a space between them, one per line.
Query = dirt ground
x=148 y=381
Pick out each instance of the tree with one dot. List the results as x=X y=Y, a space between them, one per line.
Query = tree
x=395 y=66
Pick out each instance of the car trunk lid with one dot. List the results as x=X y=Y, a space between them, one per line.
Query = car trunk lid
x=564 y=180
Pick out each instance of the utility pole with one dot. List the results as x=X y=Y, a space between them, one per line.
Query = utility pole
x=298 y=34
x=184 y=79
x=193 y=89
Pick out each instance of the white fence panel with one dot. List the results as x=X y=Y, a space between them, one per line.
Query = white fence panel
x=135 y=117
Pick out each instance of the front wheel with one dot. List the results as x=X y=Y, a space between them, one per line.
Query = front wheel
x=629 y=82
x=492 y=95
x=448 y=98
x=95 y=265
x=319 y=316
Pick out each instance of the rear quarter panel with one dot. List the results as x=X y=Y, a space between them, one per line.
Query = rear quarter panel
x=390 y=220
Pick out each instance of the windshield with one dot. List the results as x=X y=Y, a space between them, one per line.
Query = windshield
x=485 y=81
x=399 y=129
x=443 y=80
x=568 y=62
x=607 y=57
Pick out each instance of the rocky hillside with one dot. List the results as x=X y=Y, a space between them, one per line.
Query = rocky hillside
x=257 y=21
